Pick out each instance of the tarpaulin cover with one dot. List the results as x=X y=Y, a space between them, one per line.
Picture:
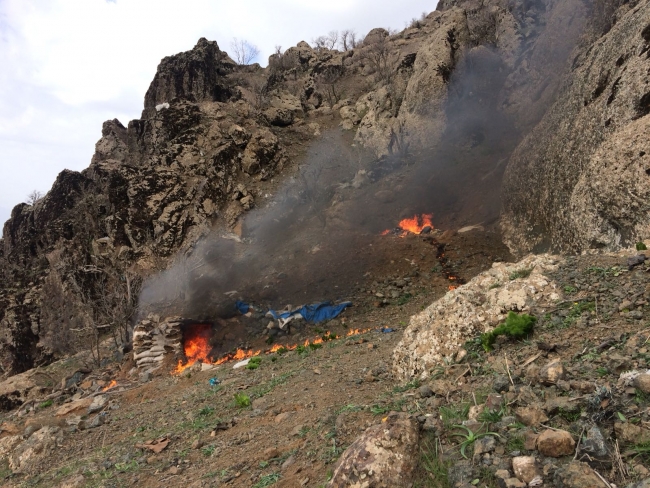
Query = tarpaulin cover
x=242 y=306
x=317 y=312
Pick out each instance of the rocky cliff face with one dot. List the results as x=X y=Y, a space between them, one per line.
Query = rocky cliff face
x=580 y=179
x=459 y=87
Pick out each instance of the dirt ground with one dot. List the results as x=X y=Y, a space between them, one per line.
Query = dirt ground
x=306 y=407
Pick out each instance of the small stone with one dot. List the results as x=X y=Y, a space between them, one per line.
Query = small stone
x=594 y=444
x=514 y=483
x=484 y=445
x=152 y=459
x=290 y=461
x=426 y=391
x=271 y=453
x=631 y=434
x=531 y=415
x=555 y=443
x=175 y=470
x=642 y=382
x=551 y=373
x=525 y=468
x=98 y=403
x=530 y=440
x=282 y=417
x=501 y=383
x=475 y=411
x=197 y=444
x=494 y=402
x=577 y=475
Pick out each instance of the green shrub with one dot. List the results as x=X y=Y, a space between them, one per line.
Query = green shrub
x=516 y=326
x=242 y=400
x=640 y=246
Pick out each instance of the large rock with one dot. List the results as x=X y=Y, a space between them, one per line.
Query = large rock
x=260 y=151
x=384 y=456
x=195 y=75
x=26 y=454
x=476 y=307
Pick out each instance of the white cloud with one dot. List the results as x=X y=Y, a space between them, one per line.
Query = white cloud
x=68 y=65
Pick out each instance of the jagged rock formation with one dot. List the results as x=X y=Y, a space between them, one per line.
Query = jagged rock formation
x=580 y=178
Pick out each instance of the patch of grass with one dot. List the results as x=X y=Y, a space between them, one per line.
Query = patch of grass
x=515 y=443
x=404 y=299
x=487 y=478
x=576 y=310
x=260 y=391
x=254 y=362
x=570 y=416
x=242 y=400
x=491 y=416
x=411 y=385
x=349 y=408
x=127 y=467
x=267 y=480
x=45 y=404
x=379 y=409
x=520 y=273
x=452 y=414
x=570 y=289
x=318 y=330
x=641 y=397
x=643 y=450
x=602 y=371
x=208 y=450
x=516 y=326
x=640 y=246
x=495 y=285
x=313 y=346
x=470 y=438
x=206 y=411
x=436 y=470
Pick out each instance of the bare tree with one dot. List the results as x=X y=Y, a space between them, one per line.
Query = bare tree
x=34 y=197
x=327 y=82
x=244 y=51
x=347 y=39
x=382 y=59
x=327 y=42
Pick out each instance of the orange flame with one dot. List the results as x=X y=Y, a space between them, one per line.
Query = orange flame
x=353 y=332
x=452 y=287
x=112 y=384
x=413 y=225
x=196 y=347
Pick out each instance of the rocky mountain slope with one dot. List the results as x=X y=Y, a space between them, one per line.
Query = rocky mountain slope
x=452 y=93
x=282 y=185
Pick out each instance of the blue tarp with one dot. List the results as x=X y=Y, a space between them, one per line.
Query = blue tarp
x=317 y=312
x=242 y=307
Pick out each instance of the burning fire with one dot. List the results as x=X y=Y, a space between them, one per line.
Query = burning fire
x=414 y=225
x=112 y=384
x=197 y=348
x=354 y=332
x=452 y=287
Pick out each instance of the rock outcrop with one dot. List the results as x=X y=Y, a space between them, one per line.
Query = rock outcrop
x=579 y=180
x=440 y=331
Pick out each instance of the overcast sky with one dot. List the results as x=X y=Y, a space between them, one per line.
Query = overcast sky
x=68 y=65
